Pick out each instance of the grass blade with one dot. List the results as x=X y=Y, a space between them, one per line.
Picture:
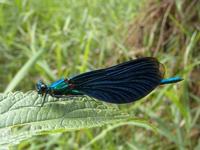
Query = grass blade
x=23 y=71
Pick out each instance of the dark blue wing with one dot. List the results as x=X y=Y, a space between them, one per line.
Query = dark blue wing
x=123 y=83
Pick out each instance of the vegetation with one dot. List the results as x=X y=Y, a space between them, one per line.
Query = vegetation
x=50 y=39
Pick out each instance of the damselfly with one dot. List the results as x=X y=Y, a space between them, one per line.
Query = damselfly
x=119 y=84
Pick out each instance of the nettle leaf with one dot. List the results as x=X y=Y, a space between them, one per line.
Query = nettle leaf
x=21 y=115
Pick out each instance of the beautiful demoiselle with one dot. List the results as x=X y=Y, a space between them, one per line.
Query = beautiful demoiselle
x=122 y=83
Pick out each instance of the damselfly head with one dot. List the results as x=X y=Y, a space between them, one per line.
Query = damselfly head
x=41 y=87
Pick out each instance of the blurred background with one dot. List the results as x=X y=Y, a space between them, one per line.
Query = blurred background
x=50 y=39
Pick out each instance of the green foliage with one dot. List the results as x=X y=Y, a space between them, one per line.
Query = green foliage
x=23 y=71
x=50 y=39
x=19 y=110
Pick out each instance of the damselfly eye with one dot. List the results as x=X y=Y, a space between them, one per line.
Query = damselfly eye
x=41 y=87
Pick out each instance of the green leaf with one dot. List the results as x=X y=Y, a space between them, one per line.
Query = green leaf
x=21 y=115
